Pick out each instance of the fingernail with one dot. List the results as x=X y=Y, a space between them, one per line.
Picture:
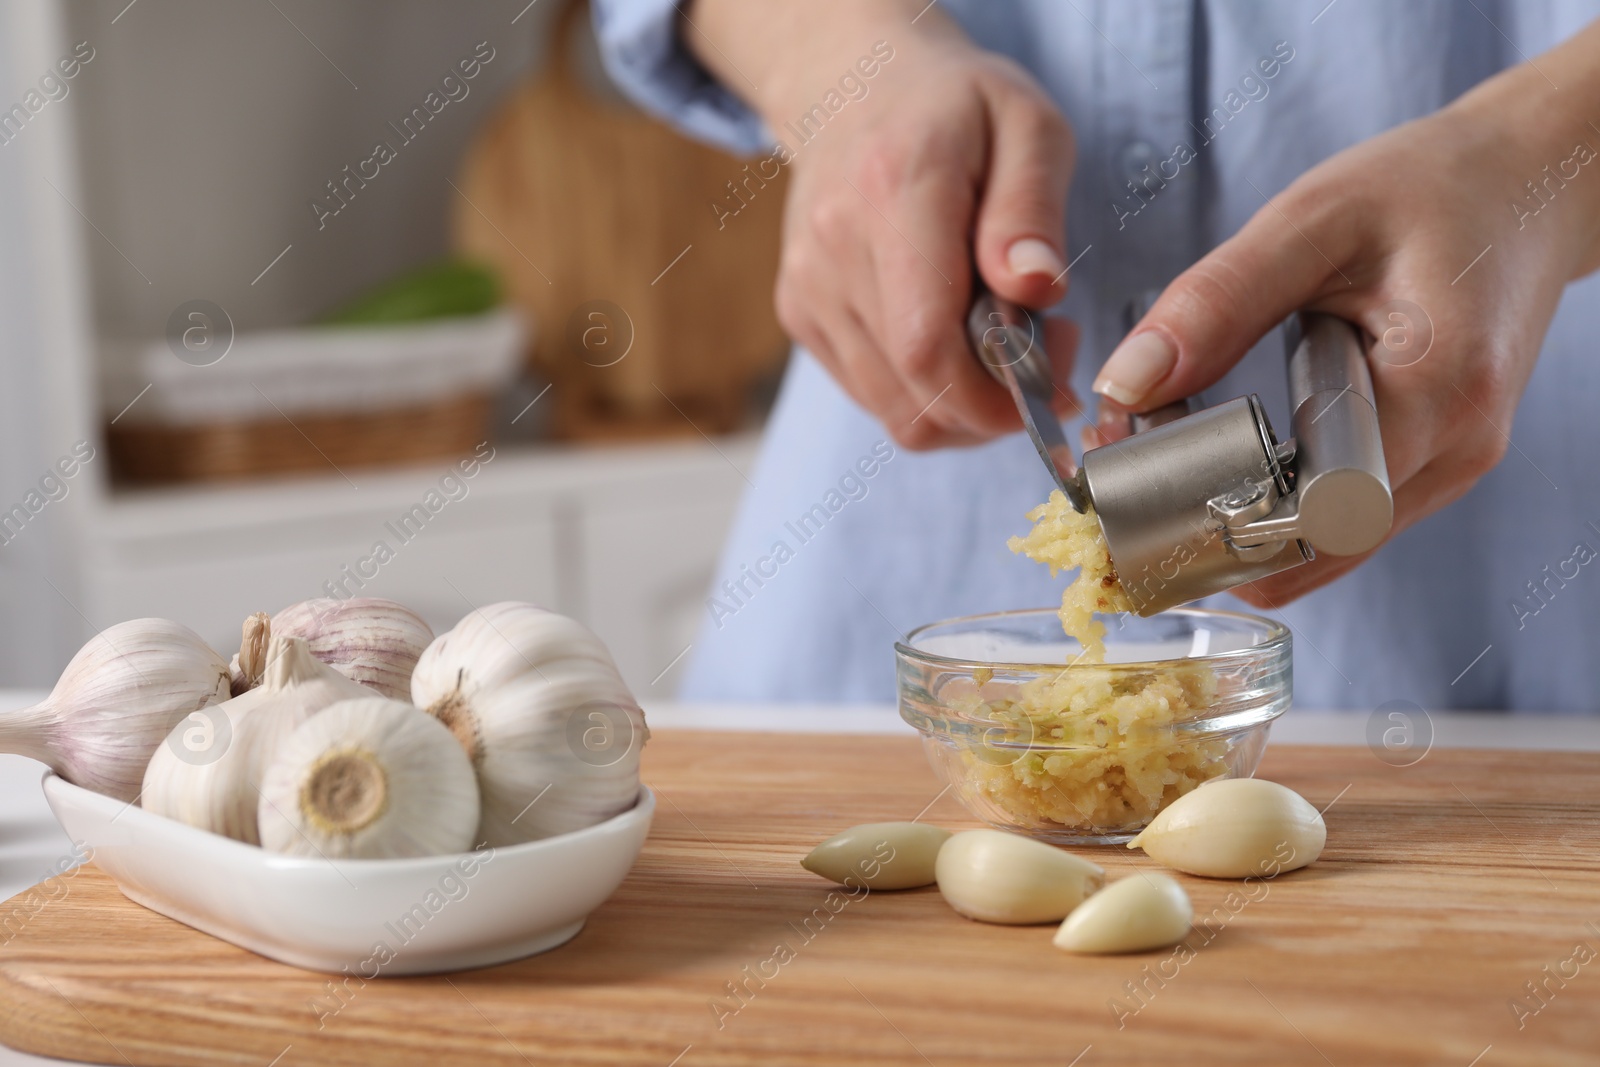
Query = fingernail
x=1135 y=368
x=1033 y=256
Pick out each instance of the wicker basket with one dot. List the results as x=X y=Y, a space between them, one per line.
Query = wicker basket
x=147 y=454
x=311 y=400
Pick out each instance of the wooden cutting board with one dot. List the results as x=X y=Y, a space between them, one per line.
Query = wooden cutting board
x=1445 y=887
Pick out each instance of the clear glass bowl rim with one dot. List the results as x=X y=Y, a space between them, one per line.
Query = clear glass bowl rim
x=1278 y=636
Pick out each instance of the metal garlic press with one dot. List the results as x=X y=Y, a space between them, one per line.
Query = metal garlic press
x=1197 y=502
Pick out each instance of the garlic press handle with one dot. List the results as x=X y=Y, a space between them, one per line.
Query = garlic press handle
x=1009 y=341
x=1341 y=490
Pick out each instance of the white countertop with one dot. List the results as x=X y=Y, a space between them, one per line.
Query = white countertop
x=31 y=843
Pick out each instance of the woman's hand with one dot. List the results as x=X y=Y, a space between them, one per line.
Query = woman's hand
x=1427 y=237
x=953 y=156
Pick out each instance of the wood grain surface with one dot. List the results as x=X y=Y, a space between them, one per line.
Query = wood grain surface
x=640 y=242
x=1446 y=889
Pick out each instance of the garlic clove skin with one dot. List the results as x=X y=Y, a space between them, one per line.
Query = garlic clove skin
x=998 y=877
x=1235 y=828
x=367 y=639
x=880 y=855
x=538 y=705
x=208 y=772
x=1138 y=913
x=114 y=703
x=369 y=779
x=244 y=671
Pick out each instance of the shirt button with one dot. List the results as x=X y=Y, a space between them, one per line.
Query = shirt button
x=1134 y=158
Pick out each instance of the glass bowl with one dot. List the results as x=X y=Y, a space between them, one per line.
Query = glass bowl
x=1079 y=753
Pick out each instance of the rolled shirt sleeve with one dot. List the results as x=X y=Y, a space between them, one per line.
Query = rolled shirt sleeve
x=644 y=55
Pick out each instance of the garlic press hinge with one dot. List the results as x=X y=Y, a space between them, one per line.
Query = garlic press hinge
x=1256 y=519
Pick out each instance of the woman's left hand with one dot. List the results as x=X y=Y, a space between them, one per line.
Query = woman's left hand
x=1430 y=238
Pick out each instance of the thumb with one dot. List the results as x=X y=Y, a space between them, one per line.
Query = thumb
x=1215 y=312
x=1021 y=224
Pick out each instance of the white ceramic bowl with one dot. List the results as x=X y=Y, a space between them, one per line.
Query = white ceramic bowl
x=374 y=917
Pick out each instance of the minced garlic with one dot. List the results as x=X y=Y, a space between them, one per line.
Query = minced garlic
x=1093 y=749
x=1071 y=540
x=1101 y=754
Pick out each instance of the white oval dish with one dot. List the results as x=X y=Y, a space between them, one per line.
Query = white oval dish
x=372 y=917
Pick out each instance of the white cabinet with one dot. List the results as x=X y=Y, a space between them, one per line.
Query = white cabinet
x=646 y=570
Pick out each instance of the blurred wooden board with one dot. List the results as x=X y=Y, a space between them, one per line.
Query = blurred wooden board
x=1445 y=887
x=646 y=259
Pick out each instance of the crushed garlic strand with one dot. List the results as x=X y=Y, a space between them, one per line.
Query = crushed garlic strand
x=1065 y=539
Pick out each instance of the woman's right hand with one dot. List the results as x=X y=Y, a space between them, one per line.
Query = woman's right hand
x=953 y=156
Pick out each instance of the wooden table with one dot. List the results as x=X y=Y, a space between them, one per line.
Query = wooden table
x=1445 y=889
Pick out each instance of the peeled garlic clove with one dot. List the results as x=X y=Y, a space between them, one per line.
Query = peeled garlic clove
x=1235 y=828
x=1142 y=911
x=367 y=639
x=369 y=779
x=998 y=877
x=879 y=855
x=208 y=773
x=538 y=705
x=115 y=702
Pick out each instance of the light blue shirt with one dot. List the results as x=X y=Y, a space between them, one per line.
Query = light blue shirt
x=1482 y=605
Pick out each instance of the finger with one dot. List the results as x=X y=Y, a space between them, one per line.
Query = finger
x=831 y=232
x=1280 y=589
x=1021 y=226
x=877 y=387
x=826 y=274
x=1061 y=345
x=839 y=347
x=924 y=282
x=1214 y=312
x=857 y=336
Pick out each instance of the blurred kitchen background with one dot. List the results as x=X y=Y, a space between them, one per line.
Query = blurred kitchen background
x=272 y=271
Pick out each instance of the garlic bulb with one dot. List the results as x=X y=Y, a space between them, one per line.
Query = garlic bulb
x=537 y=703
x=369 y=779
x=879 y=855
x=368 y=639
x=208 y=774
x=1142 y=911
x=118 y=697
x=998 y=877
x=1235 y=828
